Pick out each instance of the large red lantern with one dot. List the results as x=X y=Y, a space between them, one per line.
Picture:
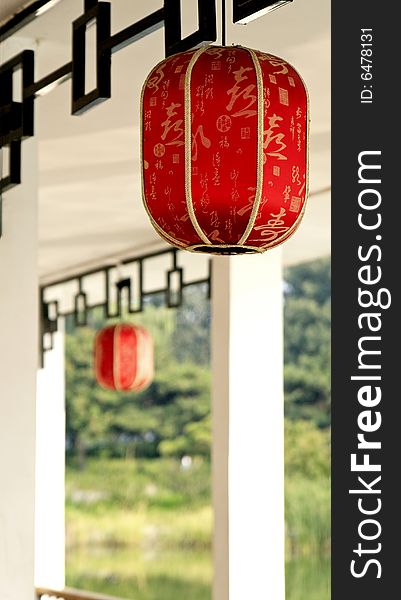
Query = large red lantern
x=123 y=357
x=224 y=149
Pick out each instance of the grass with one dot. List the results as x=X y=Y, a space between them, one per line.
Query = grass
x=139 y=528
x=136 y=527
x=139 y=504
x=138 y=483
x=119 y=528
x=307 y=516
x=154 y=503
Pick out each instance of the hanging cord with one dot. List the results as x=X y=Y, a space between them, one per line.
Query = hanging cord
x=120 y=291
x=223 y=22
x=1 y=197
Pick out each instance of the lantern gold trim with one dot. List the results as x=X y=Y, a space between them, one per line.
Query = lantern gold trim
x=159 y=230
x=297 y=223
x=116 y=361
x=188 y=146
x=259 y=163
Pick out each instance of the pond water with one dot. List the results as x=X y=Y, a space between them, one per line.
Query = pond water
x=308 y=579
x=177 y=575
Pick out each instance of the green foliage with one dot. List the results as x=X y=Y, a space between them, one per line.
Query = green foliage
x=191 y=340
x=307 y=579
x=310 y=280
x=307 y=323
x=307 y=516
x=171 y=417
x=307 y=489
x=307 y=393
x=137 y=484
x=307 y=450
x=87 y=404
x=151 y=507
x=115 y=502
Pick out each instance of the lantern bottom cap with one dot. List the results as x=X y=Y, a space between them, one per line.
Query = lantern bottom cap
x=225 y=249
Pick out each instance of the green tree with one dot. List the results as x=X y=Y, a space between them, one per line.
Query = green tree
x=175 y=408
x=87 y=404
x=172 y=417
x=307 y=342
x=310 y=279
x=191 y=341
x=182 y=393
x=307 y=450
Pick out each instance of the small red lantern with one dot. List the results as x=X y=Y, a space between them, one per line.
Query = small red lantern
x=225 y=149
x=123 y=357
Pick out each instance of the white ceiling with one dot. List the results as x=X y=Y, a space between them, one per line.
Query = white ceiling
x=89 y=181
x=9 y=7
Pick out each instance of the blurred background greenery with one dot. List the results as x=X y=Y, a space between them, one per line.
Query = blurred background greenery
x=139 y=518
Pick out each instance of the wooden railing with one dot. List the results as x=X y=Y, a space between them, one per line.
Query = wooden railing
x=70 y=594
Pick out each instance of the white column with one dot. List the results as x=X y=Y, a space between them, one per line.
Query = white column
x=248 y=427
x=50 y=470
x=18 y=364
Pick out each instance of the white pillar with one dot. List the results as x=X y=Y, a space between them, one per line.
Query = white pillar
x=248 y=427
x=50 y=470
x=18 y=364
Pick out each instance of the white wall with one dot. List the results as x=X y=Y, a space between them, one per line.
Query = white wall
x=248 y=427
x=50 y=469
x=18 y=363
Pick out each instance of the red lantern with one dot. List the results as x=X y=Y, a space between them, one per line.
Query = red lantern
x=225 y=150
x=123 y=357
